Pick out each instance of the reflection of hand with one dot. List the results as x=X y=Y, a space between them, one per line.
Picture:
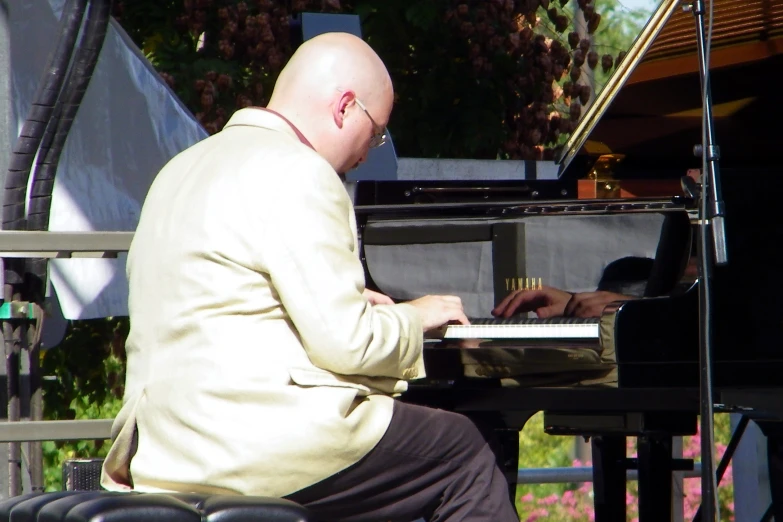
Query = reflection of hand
x=376 y=298
x=470 y=343
x=546 y=302
x=592 y=304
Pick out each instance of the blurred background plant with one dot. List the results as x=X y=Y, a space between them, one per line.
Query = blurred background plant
x=473 y=78
x=574 y=502
x=85 y=376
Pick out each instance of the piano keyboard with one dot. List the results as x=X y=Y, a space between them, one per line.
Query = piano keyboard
x=526 y=328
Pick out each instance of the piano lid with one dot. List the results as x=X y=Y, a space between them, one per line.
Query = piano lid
x=650 y=108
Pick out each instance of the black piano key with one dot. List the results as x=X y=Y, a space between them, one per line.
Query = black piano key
x=533 y=320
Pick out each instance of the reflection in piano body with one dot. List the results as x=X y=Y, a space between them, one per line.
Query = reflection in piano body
x=635 y=370
x=510 y=230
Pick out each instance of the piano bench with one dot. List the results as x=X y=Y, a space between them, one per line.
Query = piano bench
x=105 y=506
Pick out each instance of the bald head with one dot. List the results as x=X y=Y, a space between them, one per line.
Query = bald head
x=322 y=90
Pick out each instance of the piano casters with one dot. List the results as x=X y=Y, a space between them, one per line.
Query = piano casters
x=711 y=214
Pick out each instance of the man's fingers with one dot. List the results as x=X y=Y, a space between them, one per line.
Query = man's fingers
x=439 y=310
x=516 y=302
x=513 y=304
x=524 y=302
x=458 y=313
x=462 y=319
x=545 y=312
x=455 y=311
x=501 y=306
x=452 y=299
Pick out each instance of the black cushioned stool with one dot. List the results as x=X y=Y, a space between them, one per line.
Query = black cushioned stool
x=104 y=506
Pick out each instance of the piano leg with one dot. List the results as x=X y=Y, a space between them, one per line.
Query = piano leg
x=506 y=448
x=775 y=466
x=609 y=466
x=655 y=463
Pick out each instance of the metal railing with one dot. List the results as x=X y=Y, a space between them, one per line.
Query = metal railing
x=39 y=431
x=24 y=318
x=27 y=431
x=21 y=244
x=578 y=475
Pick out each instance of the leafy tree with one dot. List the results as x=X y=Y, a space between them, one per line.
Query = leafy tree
x=619 y=29
x=86 y=375
x=474 y=79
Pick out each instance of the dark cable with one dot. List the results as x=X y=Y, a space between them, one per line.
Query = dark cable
x=78 y=79
x=39 y=117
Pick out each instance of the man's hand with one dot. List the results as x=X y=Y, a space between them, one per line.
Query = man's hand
x=546 y=302
x=439 y=310
x=376 y=298
x=592 y=304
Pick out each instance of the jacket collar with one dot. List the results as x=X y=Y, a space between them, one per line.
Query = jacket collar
x=267 y=119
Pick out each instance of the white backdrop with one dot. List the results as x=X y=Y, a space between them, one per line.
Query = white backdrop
x=128 y=126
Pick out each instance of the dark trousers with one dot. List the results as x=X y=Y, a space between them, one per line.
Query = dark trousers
x=430 y=464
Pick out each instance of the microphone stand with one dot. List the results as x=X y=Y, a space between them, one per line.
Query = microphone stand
x=709 y=150
x=711 y=215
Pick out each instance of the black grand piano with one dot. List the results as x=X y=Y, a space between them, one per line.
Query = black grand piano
x=633 y=371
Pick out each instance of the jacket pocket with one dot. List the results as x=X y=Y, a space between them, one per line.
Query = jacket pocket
x=309 y=377
x=363 y=384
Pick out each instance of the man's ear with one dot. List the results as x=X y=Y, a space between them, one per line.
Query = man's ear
x=345 y=100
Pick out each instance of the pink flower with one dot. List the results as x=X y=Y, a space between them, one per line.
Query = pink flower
x=538 y=513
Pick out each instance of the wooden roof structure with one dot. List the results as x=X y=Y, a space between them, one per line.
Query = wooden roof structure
x=651 y=108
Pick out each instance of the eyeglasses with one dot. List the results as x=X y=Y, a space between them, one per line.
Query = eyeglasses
x=379 y=138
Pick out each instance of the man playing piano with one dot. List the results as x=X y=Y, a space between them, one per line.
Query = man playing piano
x=258 y=363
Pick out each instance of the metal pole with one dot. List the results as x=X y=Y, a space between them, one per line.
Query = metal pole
x=711 y=215
x=12 y=351
x=6 y=140
x=36 y=406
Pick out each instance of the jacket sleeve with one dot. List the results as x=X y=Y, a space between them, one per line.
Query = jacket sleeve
x=306 y=246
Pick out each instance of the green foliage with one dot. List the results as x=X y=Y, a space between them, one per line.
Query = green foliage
x=443 y=108
x=618 y=31
x=573 y=502
x=85 y=380
x=473 y=79
x=539 y=450
x=142 y=19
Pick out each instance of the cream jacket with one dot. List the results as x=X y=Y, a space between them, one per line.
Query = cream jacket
x=255 y=364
